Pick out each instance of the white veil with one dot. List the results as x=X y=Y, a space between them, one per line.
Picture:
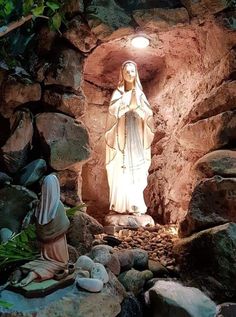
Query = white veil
x=49 y=201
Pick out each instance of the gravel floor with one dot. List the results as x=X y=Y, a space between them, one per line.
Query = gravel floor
x=157 y=241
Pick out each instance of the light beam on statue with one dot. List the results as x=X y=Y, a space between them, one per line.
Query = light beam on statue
x=140 y=41
x=129 y=135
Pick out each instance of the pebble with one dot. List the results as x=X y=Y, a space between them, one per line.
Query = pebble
x=92 y=285
x=84 y=263
x=99 y=272
x=158 y=242
x=83 y=273
x=114 y=264
x=101 y=254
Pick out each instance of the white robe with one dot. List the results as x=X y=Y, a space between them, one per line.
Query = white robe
x=128 y=151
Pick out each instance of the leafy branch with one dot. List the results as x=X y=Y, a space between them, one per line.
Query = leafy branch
x=19 y=247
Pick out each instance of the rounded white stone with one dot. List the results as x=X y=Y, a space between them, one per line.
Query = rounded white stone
x=90 y=284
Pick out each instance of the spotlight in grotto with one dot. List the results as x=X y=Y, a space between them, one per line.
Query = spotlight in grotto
x=140 y=41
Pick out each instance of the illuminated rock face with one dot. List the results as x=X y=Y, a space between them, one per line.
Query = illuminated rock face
x=186 y=74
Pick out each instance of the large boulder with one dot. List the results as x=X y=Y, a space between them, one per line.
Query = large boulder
x=71 y=187
x=221 y=162
x=80 y=35
x=65 y=70
x=68 y=103
x=131 y=307
x=210 y=254
x=222 y=98
x=202 y=7
x=16 y=150
x=134 y=280
x=210 y=133
x=171 y=299
x=82 y=230
x=106 y=16
x=31 y=173
x=64 y=141
x=213 y=202
x=15 y=93
x=15 y=203
x=160 y=18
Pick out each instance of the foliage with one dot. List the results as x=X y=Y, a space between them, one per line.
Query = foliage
x=20 y=247
x=5 y=304
x=16 y=46
x=70 y=212
x=13 y=10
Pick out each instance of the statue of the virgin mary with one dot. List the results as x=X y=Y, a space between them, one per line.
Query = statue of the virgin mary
x=129 y=135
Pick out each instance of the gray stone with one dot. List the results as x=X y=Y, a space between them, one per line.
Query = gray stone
x=90 y=284
x=226 y=310
x=99 y=272
x=85 y=263
x=134 y=280
x=64 y=141
x=79 y=34
x=161 y=18
x=31 y=173
x=4 y=178
x=131 y=307
x=107 y=12
x=126 y=259
x=71 y=187
x=157 y=268
x=114 y=287
x=82 y=273
x=69 y=103
x=213 y=202
x=15 y=203
x=168 y=299
x=82 y=230
x=140 y=259
x=5 y=235
x=101 y=254
x=210 y=254
x=221 y=162
x=16 y=150
x=65 y=70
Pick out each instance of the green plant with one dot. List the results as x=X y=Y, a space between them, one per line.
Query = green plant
x=18 y=31
x=20 y=247
x=71 y=211
x=5 y=304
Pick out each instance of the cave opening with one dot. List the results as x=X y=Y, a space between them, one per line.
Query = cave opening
x=181 y=71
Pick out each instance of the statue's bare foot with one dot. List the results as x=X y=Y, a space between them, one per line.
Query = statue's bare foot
x=29 y=278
